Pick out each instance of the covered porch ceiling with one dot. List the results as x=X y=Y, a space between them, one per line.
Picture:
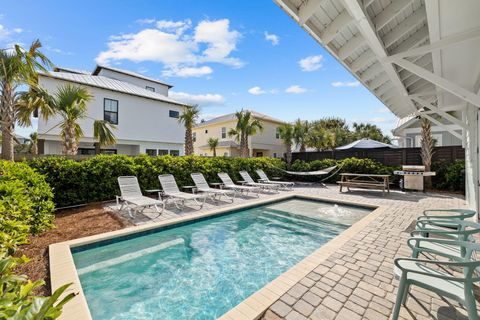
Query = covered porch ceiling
x=419 y=57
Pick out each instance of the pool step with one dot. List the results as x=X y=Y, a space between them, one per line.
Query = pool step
x=296 y=218
x=293 y=227
x=129 y=256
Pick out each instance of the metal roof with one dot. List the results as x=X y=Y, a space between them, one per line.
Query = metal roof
x=71 y=70
x=129 y=73
x=231 y=116
x=398 y=49
x=110 y=84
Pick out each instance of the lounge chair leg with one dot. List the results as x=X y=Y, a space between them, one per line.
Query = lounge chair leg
x=398 y=302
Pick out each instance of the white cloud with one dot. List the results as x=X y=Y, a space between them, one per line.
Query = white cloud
x=179 y=47
x=5 y=33
x=311 y=63
x=256 y=91
x=145 y=21
x=220 y=41
x=273 y=38
x=200 y=99
x=187 y=72
x=346 y=84
x=295 y=89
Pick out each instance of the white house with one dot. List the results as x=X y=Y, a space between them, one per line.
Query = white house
x=409 y=132
x=146 y=118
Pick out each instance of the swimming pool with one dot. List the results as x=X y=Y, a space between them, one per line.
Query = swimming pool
x=202 y=269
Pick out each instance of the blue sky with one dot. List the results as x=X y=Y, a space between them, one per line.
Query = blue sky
x=224 y=55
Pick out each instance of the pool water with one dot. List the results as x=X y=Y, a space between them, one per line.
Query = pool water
x=203 y=269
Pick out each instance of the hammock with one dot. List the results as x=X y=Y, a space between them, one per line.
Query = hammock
x=311 y=173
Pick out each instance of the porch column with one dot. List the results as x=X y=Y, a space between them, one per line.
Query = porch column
x=471 y=157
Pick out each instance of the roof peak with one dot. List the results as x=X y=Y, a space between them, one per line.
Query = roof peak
x=99 y=67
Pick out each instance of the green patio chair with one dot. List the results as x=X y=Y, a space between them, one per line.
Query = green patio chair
x=428 y=275
x=441 y=247
x=454 y=229
x=460 y=214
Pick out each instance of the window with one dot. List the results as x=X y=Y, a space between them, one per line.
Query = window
x=194 y=137
x=91 y=151
x=274 y=154
x=151 y=152
x=150 y=88
x=110 y=110
x=174 y=153
x=174 y=114
x=162 y=152
x=224 y=132
x=277 y=133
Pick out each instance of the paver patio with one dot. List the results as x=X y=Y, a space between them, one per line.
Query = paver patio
x=357 y=281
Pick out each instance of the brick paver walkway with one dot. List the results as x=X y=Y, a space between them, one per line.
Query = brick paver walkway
x=357 y=281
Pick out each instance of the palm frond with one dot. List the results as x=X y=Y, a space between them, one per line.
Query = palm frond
x=102 y=131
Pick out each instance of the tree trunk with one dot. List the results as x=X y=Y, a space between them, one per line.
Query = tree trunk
x=214 y=152
x=188 y=141
x=243 y=146
x=303 y=148
x=70 y=142
x=97 y=147
x=289 y=154
x=427 y=145
x=34 y=150
x=7 y=117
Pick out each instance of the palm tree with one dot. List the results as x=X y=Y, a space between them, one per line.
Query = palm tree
x=427 y=144
x=246 y=126
x=287 y=134
x=213 y=144
x=320 y=138
x=17 y=67
x=189 y=118
x=371 y=131
x=34 y=143
x=300 y=134
x=70 y=102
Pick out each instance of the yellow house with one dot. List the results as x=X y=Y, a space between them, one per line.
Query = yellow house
x=265 y=143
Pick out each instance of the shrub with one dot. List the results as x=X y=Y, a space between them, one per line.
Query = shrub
x=17 y=300
x=95 y=179
x=449 y=176
x=26 y=203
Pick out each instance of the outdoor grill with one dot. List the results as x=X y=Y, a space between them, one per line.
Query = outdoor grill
x=413 y=177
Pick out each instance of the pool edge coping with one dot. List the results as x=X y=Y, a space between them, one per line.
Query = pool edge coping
x=63 y=270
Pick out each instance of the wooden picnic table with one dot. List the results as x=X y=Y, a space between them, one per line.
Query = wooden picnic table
x=365 y=180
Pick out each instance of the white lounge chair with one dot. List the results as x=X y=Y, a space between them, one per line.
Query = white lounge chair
x=250 y=182
x=132 y=198
x=202 y=186
x=171 y=191
x=264 y=179
x=228 y=184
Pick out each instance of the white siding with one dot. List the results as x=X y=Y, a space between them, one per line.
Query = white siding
x=141 y=121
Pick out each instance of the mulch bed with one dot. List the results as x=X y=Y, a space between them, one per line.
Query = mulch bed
x=70 y=224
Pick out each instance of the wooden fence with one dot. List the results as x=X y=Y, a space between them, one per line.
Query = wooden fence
x=389 y=157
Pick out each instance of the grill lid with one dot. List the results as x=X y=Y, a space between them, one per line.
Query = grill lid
x=413 y=168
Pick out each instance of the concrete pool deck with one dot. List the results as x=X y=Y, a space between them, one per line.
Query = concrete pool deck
x=348 y=278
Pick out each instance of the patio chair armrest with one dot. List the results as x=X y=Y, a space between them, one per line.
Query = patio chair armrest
x=452 y=224
x=452 y=235
x=415 y=243
x=456 y=213
x=465 y=264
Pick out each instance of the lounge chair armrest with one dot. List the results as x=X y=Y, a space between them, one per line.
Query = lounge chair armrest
x=405 y=269
x=456 y=213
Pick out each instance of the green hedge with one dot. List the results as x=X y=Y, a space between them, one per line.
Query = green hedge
x=95 y=179
x=26 y=203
